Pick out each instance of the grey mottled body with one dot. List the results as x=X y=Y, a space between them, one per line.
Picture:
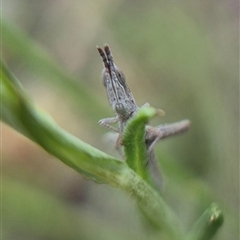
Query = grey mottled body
x=124 y=106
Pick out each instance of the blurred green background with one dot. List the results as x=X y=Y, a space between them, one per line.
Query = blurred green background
x=180 y=56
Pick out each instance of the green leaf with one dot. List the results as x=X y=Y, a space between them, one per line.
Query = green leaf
x=208 y=224
x=134 y=141
x=20 y=113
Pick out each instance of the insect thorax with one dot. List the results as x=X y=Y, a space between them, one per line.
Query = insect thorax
x=125 y=110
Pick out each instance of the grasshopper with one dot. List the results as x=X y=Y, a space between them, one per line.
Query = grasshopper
x=119 y=95
x=124 y=106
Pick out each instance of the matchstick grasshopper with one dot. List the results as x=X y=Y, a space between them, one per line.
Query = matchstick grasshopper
x=124 y=106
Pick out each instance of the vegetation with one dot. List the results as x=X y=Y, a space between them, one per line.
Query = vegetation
x=174 y=61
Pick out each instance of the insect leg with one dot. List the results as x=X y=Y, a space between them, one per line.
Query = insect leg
x=154 y=134
x=105 y=122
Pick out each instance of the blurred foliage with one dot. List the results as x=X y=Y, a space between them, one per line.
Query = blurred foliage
x=184 y=54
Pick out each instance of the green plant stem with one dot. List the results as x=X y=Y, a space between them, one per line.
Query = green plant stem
x=133 y=140
x=21 y=114
x=25 y=117
x=207 y=225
